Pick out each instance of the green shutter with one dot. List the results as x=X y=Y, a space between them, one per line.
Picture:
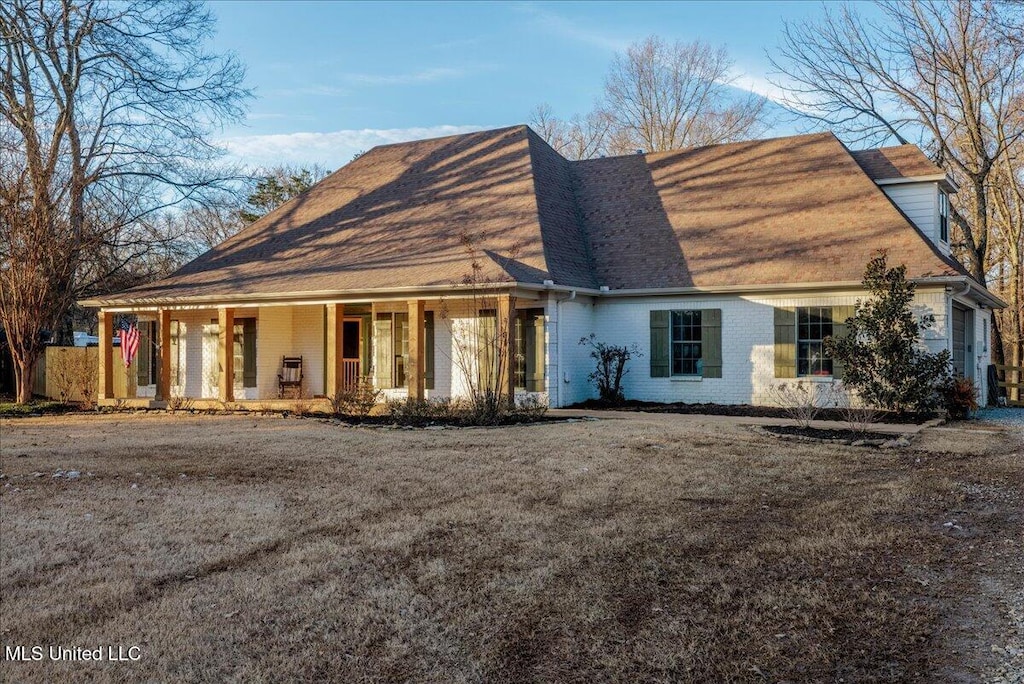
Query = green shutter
x=382 y=346
x=659 y=344
x=401 y=350
x=839 y=316
x=711 y=342
x=533 y=349
x=366 y=348
x=785 y=342
x=428 y=350
x=487 y=338
x=249 y=352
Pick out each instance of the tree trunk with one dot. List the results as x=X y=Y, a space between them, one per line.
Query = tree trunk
x=24 y=377
x=998 y=350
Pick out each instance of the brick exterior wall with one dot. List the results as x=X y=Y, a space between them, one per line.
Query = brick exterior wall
x=747 y=345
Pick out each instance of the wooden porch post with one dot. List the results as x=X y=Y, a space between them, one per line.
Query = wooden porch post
x=335 y=362
x=226 y=352
x=417 y=360
x=106 y=355
x=506 y=346
x=163 y=334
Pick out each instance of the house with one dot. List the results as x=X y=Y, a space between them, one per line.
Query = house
x=726 y=265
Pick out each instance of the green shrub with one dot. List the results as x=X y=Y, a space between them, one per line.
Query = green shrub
x=884 y=360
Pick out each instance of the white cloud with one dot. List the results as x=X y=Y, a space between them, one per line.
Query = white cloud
x=423 y=76
x=571 y=30
x=332 y=149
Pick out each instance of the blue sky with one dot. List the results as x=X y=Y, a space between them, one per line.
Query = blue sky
x=335 y=78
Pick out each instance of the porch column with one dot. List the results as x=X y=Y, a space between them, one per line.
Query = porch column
x=335 y=362
x=226 y=352
x=106 y=355
x=417 y=357
x=506 y=342
x=163 y=336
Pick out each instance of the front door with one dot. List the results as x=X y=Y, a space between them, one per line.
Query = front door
x=351 y=339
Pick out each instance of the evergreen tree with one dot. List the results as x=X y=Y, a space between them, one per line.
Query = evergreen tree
x=885 y=362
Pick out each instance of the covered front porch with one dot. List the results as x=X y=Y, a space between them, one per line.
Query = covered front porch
x=270 y=356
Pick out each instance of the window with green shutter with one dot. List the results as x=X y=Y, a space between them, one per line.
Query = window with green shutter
x=800 y=334
x=244 y=349
x=529 y=350
x=686 y=342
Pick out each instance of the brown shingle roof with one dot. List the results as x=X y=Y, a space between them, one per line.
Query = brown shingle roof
x=764 y=212
x=769 y=212
x=902 y=161
x=396 y=216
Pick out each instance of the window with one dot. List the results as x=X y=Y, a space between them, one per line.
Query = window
x=813 y=325
x=686 y=346
x=943 y=217
x=528 y=361
x=244 y=350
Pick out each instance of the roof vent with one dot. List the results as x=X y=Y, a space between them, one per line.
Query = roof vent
x=604 y=288
x=549 y=283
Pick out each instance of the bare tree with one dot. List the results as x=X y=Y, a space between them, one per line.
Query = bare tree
x=659 y=96
x=105 y=114
x=947 y=74
x=582 y=137
x=665 y=96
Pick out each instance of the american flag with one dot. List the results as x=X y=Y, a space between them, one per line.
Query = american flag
x=129 y=342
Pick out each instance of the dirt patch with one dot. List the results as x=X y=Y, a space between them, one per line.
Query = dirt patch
x=255 y=548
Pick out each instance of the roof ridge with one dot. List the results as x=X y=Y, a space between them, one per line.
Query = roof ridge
x=699 y=148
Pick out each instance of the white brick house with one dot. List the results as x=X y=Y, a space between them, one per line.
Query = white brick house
x=725 y=265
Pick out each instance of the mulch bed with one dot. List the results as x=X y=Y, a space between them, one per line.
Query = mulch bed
x=826 y=434
x=742 y=410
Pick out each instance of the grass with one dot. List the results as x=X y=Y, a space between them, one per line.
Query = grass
x=260 y=549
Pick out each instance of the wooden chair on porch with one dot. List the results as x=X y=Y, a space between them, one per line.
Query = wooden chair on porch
x=289 y=380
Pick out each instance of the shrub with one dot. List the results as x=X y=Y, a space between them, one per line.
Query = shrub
x=960 y=397
x=801 y=400
x=74 y=373
x=302 y=405
x=884 y=360
x=422 y=412
x=356 y=400
x=857 y=418
x=179 y=402
x=611 y=367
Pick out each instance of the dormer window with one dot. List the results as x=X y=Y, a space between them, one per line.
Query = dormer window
x=943 y=217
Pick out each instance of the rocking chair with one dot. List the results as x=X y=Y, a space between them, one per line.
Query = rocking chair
x=289 y=380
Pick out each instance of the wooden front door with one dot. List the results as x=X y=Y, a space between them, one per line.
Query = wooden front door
x=351 y=340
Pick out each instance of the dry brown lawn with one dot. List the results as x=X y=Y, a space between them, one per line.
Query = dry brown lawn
x=640 y=549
